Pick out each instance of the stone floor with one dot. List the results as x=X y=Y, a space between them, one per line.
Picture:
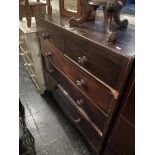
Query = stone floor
x=53 y=133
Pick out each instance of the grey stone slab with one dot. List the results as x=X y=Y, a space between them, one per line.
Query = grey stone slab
x=27 y=111
x=77 y=142
x=59 y=147
x=39 y=146
x=34 y=102
x=79 y=146
x=43 y=118
x=31 y=125
x=23 y=100
x=48 y=125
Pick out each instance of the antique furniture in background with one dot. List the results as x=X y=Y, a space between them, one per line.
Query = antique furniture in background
x=122 y=138
x=70 y=8
x=30 y=52
x=111 y=9
x=31 y=9
x=86 y=75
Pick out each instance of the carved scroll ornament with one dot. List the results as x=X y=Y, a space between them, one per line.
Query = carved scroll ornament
x=111 y=10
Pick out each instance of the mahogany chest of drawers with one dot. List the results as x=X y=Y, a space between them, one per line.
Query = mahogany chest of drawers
x=86 y=76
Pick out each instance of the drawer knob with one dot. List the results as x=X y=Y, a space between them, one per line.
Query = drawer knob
x=82 y=60
x=45 y=36
x=48 y=54
x=80 y=83
x=51 y=70
x=80 y=102
x=77 y=121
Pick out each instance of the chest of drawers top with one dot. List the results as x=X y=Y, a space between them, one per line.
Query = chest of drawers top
x=93 y=31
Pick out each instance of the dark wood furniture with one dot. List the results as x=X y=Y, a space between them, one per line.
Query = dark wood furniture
x=31 y=9
x=86 y=75
x=111 y=10
x=122 y=138
x=69 y=12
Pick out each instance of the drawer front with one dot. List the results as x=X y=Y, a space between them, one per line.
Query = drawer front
x=24 y=48
x=96 y=117
x=22 y=41
x=50 y=33
x=102 y=63
x=89 y=86
x=79 y=121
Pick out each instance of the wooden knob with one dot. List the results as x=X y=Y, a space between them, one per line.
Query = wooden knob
x=48 y=53
x=82 y=60
x=45 y=36
x=80 y=83
x=51 y=70
x=77 y=121
x=80 y=102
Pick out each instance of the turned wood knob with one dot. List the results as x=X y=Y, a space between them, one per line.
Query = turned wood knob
x=82 y=60
x=80 y=102
x=48 y=54
x=51 y=70
x=77 y=121
x=80 y=83
x=45 y=36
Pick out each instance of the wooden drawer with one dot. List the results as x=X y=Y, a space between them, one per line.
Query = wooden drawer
x=50 y=33
x=65 y=102
x=95 y=116
x=24 y=48
x=99 y=93
x=104 y=64
x=22 y=41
